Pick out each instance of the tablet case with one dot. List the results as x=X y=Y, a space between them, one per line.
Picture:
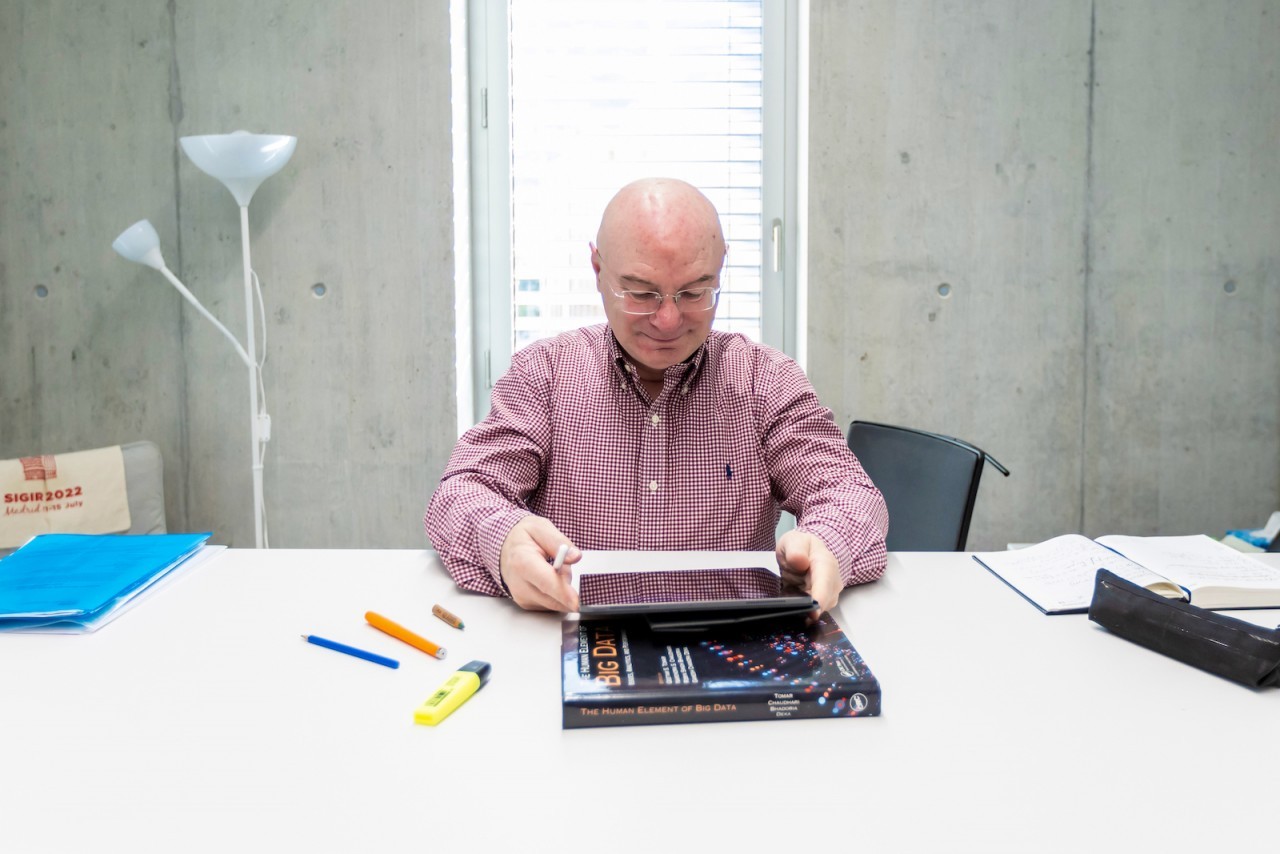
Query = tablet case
x=701 y=616
x=1234 y=649
x=691 y=599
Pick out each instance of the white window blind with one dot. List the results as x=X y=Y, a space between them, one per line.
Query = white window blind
x=602 y=93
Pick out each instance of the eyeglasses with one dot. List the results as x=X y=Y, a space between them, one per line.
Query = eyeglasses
x=690 y=300
x=648 y=302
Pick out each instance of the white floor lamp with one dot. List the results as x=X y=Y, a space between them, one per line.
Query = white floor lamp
x=241 y=161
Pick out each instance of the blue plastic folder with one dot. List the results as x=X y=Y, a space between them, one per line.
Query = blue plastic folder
x=77 y=582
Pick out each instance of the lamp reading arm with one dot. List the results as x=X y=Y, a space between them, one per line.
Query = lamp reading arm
x=191 y=298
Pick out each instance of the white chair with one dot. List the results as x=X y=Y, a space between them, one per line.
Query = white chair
x=144 y=479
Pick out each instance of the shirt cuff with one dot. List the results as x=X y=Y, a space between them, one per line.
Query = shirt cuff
x=493 y=533
x=855 y=567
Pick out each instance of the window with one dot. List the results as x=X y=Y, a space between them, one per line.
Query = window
x=570 y=100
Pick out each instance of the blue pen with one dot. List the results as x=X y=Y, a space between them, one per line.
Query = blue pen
x=351 y=650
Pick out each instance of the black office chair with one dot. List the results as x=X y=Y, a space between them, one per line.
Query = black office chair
x=929 y=482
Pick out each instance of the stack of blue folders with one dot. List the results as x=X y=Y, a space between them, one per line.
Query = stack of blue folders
x=79 y=582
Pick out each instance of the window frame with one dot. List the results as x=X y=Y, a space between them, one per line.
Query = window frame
x=484 y=321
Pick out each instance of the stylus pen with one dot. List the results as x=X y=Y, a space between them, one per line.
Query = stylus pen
x=561 y=554
x=399 y=632
x=351 y=650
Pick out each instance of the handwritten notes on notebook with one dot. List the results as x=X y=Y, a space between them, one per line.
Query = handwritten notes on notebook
x=1057 y=575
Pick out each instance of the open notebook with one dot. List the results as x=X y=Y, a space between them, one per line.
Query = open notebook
x=1057 y=576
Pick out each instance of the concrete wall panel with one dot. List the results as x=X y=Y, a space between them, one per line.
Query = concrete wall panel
x=1097 y=182
x=96 y=360
x=948 y=148
x=1184 y=304
x=359 y=382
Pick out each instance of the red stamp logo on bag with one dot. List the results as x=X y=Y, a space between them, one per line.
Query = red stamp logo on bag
x=40 y=468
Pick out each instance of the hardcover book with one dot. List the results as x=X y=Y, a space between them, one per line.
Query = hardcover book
x=619 y=672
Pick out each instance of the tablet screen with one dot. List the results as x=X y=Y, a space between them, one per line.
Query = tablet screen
x=678 y=585
x=691 y=598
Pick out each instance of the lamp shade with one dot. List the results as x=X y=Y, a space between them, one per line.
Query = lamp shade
x=139 y=242
x=240 y=160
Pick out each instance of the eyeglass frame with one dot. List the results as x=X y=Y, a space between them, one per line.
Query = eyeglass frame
x=675 y=298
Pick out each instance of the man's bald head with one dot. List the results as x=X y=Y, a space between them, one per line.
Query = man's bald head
x=661 y=219
x=659 y=236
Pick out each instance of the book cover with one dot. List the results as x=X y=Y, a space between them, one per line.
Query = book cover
x=620 y=673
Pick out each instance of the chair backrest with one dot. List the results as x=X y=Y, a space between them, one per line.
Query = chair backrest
x=144 y=483
x=929 y=482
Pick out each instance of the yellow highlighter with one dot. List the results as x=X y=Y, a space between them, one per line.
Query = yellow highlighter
x=453 y=693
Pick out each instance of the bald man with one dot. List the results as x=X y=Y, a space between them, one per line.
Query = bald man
x=653 y=432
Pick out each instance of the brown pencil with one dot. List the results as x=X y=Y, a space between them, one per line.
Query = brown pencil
x=447 y=616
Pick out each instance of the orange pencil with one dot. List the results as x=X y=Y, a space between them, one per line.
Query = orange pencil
x=399 y=632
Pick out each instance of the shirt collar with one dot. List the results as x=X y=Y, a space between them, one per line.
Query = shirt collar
x=692 y=365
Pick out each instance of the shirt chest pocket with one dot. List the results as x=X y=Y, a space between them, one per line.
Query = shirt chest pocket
x=737 y=494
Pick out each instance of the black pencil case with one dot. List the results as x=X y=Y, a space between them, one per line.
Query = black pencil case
x=1234 y=649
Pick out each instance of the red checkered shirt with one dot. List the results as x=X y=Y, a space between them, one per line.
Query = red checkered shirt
x=736 y=434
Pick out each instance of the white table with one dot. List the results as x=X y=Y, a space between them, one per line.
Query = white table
x=200 y=721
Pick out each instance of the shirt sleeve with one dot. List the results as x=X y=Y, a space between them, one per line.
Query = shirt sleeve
x=494 y=468
x=815 y=475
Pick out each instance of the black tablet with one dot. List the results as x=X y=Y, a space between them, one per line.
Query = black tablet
x=691 y=599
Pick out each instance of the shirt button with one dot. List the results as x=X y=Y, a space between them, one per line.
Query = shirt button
x=653 y=486
x=655 y=418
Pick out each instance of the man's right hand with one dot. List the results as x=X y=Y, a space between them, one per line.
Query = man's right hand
x=525 y=564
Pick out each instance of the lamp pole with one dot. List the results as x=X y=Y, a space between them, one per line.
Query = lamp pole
x=258 y=431
x=241 y=161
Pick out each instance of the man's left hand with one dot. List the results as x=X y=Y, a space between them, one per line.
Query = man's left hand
x=807 y=563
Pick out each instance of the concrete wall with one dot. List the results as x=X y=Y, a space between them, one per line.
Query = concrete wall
x=359 y=383
x=1096 y=183
x=1097 y=186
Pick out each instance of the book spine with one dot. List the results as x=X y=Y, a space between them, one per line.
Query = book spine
x=861 y=702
